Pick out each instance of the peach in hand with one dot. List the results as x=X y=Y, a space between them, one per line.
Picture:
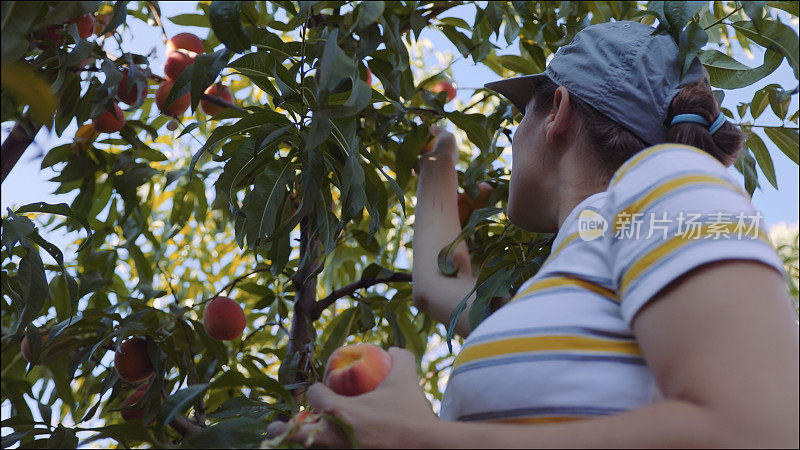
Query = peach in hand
x=357 y=369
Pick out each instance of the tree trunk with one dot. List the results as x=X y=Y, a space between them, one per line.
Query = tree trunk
x=15 y=144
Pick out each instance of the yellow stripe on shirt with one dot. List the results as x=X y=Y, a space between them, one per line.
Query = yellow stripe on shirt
x=672 y=245
x=660 y=191
x=553 y=282
x=538 y=420
x=642 y=155
x=561 y=246
x=545 y=343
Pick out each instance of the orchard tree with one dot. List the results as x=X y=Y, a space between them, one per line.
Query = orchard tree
x=225 y=252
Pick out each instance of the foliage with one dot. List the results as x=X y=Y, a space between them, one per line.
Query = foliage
x=298 y=205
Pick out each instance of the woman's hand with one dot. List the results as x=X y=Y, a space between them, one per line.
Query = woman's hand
x=386 y=417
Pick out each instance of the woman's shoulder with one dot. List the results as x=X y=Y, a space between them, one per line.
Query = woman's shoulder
x=665 y=170
x=664 y=160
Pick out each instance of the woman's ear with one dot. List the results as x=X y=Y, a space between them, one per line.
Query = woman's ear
x=558 y=119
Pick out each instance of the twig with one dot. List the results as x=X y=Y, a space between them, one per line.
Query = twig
x=184 y=426
x=157 y=17
x=232 y=284
x=723 y=19
x=351 y=288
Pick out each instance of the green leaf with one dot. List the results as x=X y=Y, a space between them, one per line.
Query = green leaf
x=17 y=17
x=368 y=12
x=28 y=88
x=691 y=41
x=340 y=329
x=178 y=402
x=206 y=69
x=759 y=102
x=227 y=25
x=786 y=140
x=262 y=204
x=191 y=20
x=792 y=8
x=15 y=229
x=475 y=127
x=727 y=78
x=518 y=64
x=238 y=432
x=679 y=13
x=779 y=101
x=763 y=158
x=61 y=209
x=747 y=166
x=775 y=36
x=33 y=284
x=118 y=18
x=335 y=65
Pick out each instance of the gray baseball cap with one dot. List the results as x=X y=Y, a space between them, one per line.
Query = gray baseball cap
x=620 y=68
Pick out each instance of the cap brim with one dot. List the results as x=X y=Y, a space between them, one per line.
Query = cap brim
x=517 y=90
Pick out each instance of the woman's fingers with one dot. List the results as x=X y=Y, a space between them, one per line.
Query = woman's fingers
x=315 y=434
x=323 y=399
x=404 y=366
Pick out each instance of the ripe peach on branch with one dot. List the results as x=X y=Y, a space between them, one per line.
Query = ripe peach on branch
x=129 y=413
x=132 y=362
x=445 y=86
x=26 y=347
x=216 y=90
x=176 y=108
x=223 y=319
x=185 y=41
x=108 y=122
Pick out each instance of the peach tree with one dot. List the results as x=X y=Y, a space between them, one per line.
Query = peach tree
x=293 y=196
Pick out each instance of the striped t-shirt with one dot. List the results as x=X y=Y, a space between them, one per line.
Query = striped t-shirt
x=562 y=348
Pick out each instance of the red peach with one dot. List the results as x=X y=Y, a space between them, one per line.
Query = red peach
x=465 y=207
x=134 y=413
x=484 y=191
x=50 y=35
x=176 y=108
x=357 y=369
x=26 y=347
x=445 y=86
x=223 y=319
x=108 y=122
x=85 y=25
x=176 y=63
x=216 y=90
x=185 y=41
x=129 y=93
x=132 y=362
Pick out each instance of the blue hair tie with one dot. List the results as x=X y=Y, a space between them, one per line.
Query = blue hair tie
x=696 y=118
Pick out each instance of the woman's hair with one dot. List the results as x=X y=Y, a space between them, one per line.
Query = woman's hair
x=612 y=144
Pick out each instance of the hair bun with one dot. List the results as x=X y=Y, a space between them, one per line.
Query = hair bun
x=697 y=98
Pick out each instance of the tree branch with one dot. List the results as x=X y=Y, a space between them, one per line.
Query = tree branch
x=15 y=145
x=184 y=426
x=351 y=288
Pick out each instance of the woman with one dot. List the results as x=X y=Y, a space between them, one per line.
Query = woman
x=661 y=317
